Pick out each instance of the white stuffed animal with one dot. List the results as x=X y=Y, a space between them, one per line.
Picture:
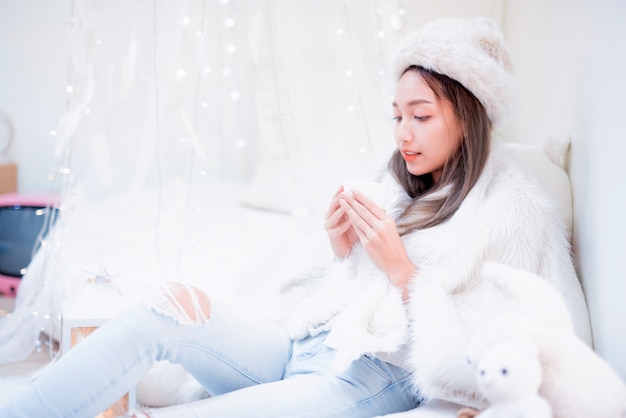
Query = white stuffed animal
x=509 y=375
x=576 y=381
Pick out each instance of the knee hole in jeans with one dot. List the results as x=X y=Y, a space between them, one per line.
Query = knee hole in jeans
x=183 y=303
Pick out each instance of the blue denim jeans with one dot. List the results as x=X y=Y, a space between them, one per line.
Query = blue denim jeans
x=248 y=366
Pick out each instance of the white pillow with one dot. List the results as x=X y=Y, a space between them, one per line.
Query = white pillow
x=272 y=187
x=547 y=166
x=306 y=181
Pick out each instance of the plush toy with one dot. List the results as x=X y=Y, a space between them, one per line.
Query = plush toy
x=576 y=382
x=168 y=384
x=508 y=376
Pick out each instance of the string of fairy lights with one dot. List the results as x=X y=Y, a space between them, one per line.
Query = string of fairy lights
x=214 y=126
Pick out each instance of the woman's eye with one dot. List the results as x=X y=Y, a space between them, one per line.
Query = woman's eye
x=397 y=118
x=422 y=118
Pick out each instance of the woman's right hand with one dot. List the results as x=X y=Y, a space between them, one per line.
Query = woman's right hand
x=338 y=227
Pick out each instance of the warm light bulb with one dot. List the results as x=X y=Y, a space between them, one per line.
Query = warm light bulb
x=395 y=23
x=185 y=20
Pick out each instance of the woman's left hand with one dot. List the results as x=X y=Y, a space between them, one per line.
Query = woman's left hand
x=379 y=237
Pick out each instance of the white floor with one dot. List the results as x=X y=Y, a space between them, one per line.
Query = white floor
x=37 y=359
x=6 y=305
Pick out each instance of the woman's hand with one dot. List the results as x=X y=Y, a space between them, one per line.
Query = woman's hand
x=377 y=232
x=338 y=227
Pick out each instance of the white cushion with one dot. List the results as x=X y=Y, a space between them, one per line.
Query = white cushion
x=547 y=166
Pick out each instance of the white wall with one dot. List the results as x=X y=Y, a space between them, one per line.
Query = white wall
x=34 y=51
x=599 y=180
x=570 y=60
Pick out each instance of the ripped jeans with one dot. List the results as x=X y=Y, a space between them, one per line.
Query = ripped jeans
x=249 y=367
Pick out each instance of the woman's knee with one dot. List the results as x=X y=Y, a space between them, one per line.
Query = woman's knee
x=184 y=303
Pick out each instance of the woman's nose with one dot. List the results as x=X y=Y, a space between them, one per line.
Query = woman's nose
x=403 y=133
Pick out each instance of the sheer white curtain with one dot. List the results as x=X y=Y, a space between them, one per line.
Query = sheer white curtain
x=210 y=89
x=287 y=97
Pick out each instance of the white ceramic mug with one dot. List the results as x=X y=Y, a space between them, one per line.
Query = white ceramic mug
x=379 y=193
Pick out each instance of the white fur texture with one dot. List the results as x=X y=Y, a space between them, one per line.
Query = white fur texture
x=509 y=376
x=506 y=219
x=471 y=51
x=355 y=302
x=576 y=382
x=359 y=307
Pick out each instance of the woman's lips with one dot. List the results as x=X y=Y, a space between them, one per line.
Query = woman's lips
x=409 y=155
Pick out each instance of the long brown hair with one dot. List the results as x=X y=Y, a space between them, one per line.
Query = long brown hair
x=435 y=203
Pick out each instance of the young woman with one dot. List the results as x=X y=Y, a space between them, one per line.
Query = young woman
x=461 y=206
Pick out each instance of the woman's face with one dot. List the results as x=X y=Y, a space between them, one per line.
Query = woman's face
x=426 y=128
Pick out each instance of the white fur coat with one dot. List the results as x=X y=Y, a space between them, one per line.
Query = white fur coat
x=507 y=219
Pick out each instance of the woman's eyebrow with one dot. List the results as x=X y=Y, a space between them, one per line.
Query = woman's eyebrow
x=414 y=102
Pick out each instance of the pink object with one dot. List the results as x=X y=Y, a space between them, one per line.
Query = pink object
x=36 y=200
x=9 y=284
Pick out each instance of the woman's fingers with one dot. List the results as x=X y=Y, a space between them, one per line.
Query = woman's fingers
x=365 y=209
x=337 y=227
x=334 y=203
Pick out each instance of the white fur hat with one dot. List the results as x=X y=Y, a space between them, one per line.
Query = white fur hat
x=470 y=51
